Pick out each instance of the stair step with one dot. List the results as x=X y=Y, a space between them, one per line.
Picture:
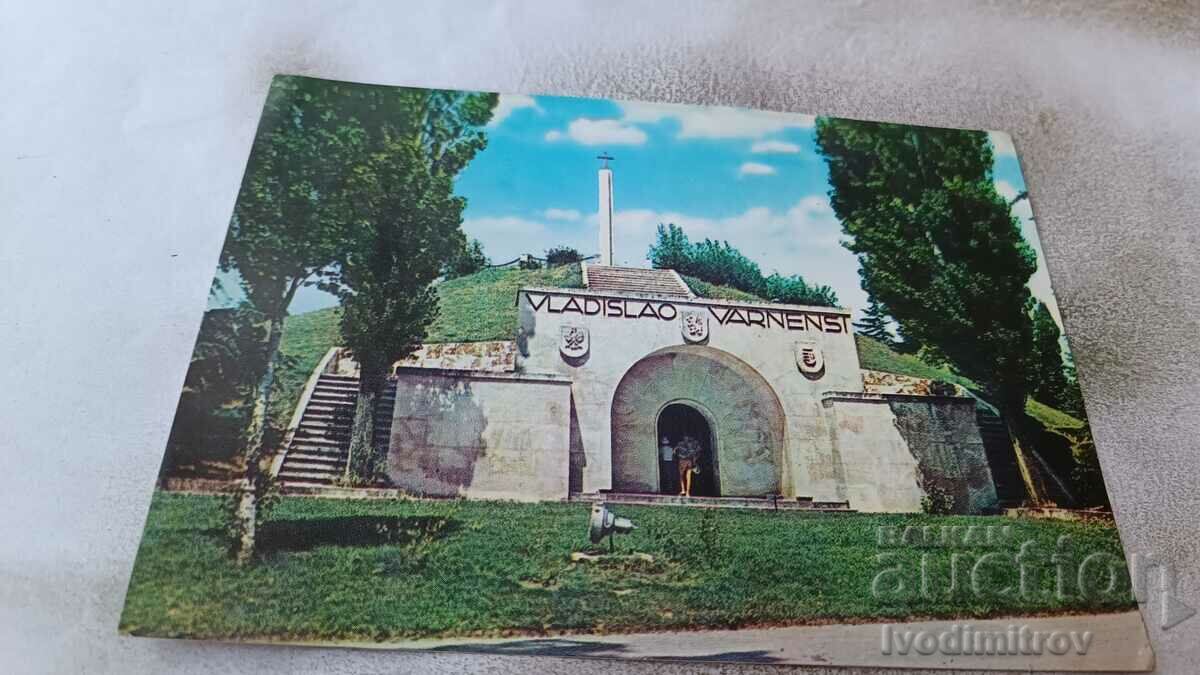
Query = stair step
x=320 y=446
x=338 y=386
x=334 y=430
x=313 y=482
x=320 y=426
x=317 y=457
x=323 y=414
x=316 y=476
x=291 y=468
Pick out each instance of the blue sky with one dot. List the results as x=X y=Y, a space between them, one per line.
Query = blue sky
x=746 y=176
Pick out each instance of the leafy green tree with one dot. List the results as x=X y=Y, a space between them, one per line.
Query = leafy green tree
x=296 y=216
x=1048 y=380
x=874 y=324
x=289 y=224
x=1072 y=400
x=717 y=262
x=562 y=255
x=938 y=246
x=467 y=259
x=671 y=249
x=1086 y=479
x=212 y=412
x=408 y=227
x=794 y=290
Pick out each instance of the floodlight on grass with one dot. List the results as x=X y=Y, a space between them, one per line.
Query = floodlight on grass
x=605 y=523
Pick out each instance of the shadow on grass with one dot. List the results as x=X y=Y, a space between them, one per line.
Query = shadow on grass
x=577 y=648
x=306 y=534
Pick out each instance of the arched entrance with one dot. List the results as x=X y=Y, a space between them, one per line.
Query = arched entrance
x=745 y=420
x=677 y=423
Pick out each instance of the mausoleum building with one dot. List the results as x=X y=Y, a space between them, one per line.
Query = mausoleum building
x=594 y=379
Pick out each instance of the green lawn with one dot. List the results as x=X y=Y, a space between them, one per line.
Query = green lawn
x=483 y=306
x=380 y=570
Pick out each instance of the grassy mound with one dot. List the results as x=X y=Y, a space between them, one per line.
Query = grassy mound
x=482 y=306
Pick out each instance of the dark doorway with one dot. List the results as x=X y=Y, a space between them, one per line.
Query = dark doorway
x=675 y=423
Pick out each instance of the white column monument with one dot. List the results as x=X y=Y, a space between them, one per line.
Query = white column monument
x=606 y=212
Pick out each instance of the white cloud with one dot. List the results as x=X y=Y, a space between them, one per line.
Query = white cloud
x=509 y=103
x=755 y=169
x=599 y=132
x=1002 y=144
x=782 y=147
x=715 y=121
x=1039 y=283
x=562 y=214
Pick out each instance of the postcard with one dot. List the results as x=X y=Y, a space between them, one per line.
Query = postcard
x=583 y=377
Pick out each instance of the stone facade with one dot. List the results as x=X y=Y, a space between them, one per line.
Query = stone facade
x=480 y=436
x=759 y=341
x=573 y=405
x=891 y=449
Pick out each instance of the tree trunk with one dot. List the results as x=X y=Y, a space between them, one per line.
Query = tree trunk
x=246 y=513
x=255 y=450
x=1031 y=473
x=361 y=465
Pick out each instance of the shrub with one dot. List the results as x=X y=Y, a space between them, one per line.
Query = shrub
x=467 y=260
x=562 y=255
x=717 y=262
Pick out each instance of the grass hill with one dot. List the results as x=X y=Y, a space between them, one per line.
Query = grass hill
x=475 y=308
x=482 y=306
x=874 y=355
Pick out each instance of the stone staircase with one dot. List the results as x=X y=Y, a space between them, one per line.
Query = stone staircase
x=320 y=446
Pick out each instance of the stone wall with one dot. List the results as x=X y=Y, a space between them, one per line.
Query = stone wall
x=890 y=449
x=480 y=436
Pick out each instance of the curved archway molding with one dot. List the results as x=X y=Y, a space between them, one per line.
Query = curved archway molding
x=747 y=419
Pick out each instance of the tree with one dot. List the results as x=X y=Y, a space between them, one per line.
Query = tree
x=671 y=249
x=467 y=259
x=874 y=324
x=408 y=228
x=562 y=255
x=1072 y=396
x=938 y=246
x=1048 y=380
x=288 y=225
x=794 y=290
x=717 y=262
x=212 y=411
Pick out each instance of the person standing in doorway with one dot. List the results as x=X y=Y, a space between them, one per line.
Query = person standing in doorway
x=687 y=454
x=666 y=456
